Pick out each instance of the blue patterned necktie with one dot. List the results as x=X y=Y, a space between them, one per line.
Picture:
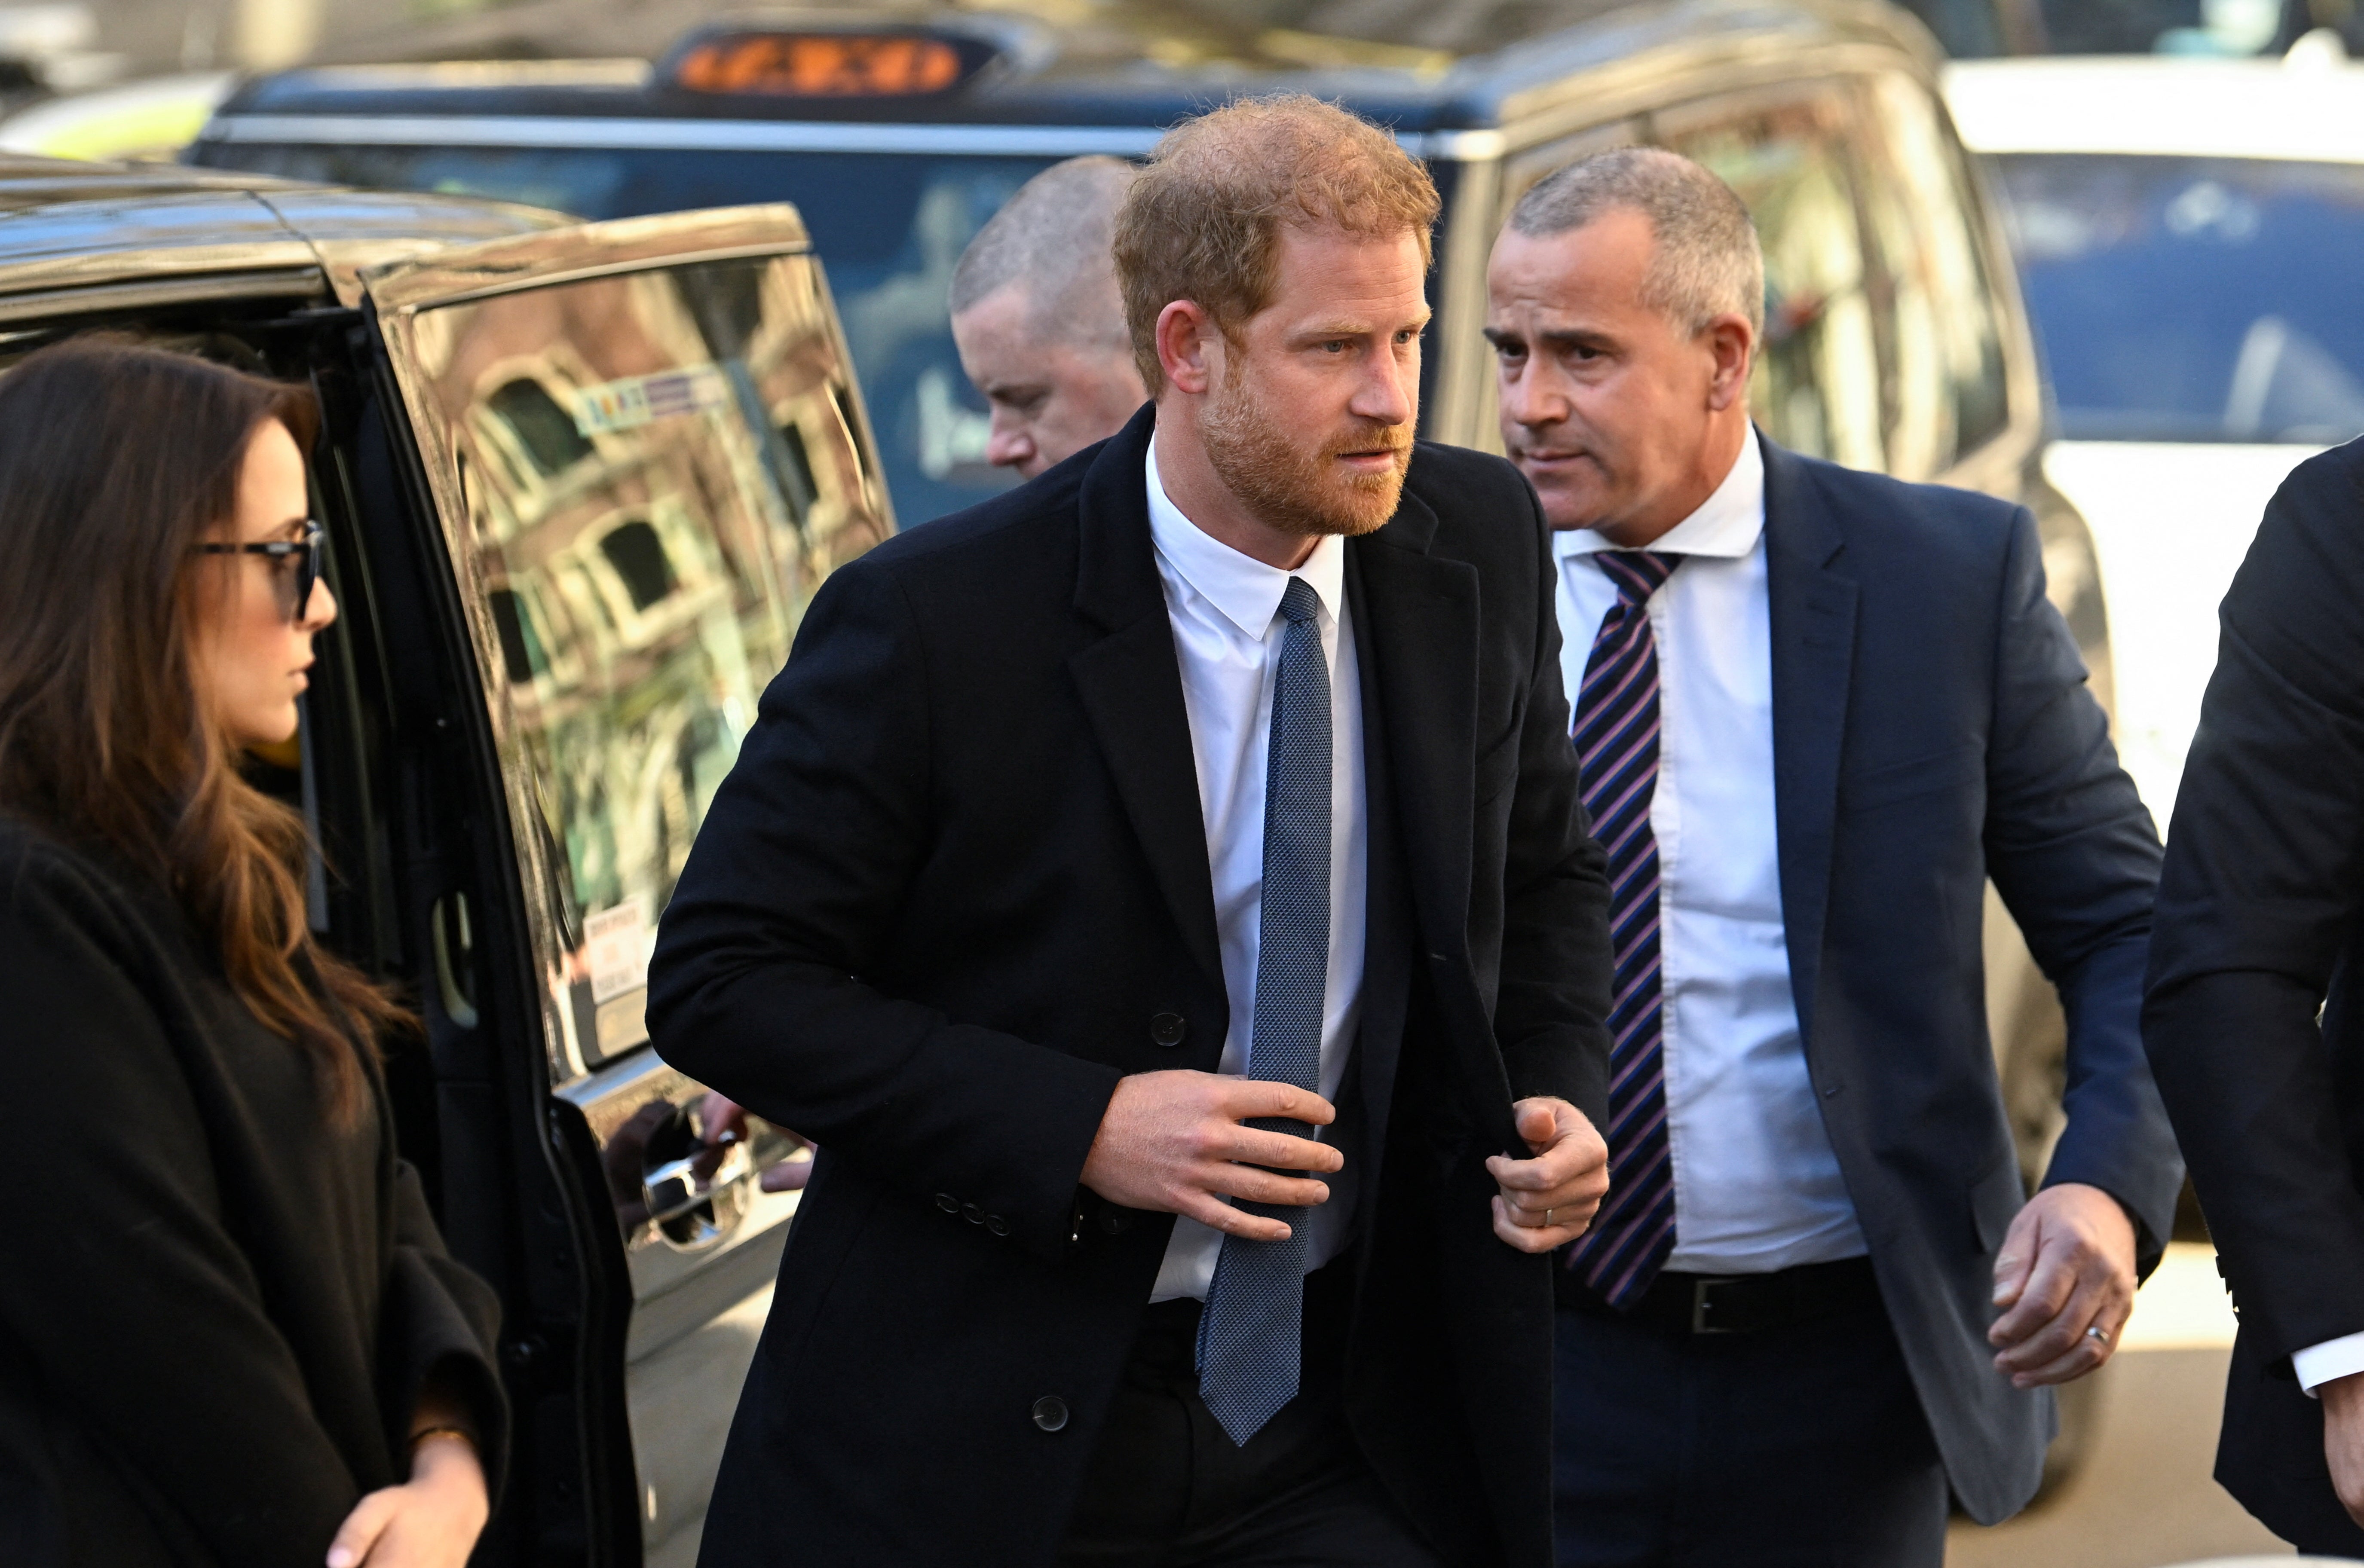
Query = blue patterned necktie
x=1617 y=749
x=1249 y=1333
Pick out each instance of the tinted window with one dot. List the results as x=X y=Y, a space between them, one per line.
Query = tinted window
x=1817 y=383
x=658 y=474
x=888 y=227
x=2195 y=299
x=1947 y=388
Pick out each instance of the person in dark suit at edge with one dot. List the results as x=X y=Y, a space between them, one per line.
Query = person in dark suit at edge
x=2252 y=1017
x=1161 y=893
x=1816 y=710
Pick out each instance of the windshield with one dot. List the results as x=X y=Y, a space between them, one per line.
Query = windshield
x=2190 y=299
x=888 y=227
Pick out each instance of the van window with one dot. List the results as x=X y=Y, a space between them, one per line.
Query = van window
x=1947 y=392
x=658 y=473
x=889 y=225
x=1817 y=383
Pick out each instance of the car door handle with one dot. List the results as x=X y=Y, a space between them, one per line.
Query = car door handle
x=673 y=1187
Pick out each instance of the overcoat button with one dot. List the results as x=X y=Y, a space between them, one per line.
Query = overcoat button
x=998 y=1225
x=948 y=1203
x=1050 y=1412
x=1168 y=1029
x=973 y=1214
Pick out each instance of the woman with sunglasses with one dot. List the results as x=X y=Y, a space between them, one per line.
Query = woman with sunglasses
x=228 y=1332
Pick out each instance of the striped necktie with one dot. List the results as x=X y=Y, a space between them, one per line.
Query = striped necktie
x=1617 y=747
x=1251 y=1331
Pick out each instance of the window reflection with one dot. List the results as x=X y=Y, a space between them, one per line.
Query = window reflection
x=1816 y=387
x=659 y=470
x=1947 y=392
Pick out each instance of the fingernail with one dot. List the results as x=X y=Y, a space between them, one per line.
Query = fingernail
x=340 y=1557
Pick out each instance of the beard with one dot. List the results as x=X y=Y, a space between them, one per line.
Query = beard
x=1292 y=489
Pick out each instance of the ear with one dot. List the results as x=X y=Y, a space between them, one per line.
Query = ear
x=1188 y=346
x=1732 y=344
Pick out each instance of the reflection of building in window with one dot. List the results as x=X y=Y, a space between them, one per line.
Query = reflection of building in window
x=639 y=558
x=545 y=431
x=521 y=646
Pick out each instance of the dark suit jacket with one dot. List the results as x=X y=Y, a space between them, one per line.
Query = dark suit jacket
x=1932 y=729
x=959 y=869
x=2260 y=924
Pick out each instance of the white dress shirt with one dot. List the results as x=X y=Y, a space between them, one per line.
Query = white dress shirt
x=2318 y=1364
x=1225 y=607
x=1757 y=1185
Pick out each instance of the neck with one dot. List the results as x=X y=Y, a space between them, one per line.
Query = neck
x=1710 y=467
x=1200 y=494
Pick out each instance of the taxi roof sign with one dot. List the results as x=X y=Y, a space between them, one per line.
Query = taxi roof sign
x=874 y=63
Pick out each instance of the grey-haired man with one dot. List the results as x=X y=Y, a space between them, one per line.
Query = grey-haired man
x=1815 y=710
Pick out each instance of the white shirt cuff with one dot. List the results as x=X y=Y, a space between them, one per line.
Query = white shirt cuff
x=2318 y=1364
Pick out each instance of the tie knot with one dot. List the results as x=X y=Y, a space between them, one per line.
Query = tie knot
x=1298 y=601
x=1637 y=573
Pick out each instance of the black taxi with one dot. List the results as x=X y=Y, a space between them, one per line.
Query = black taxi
x=579 y=481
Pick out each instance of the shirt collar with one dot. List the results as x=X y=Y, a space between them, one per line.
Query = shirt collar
x=1245 y=590
x=1727 y=523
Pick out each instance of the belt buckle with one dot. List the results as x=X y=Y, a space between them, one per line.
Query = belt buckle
x=1699 y=1300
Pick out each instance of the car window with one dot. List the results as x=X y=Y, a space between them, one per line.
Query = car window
x=659 y=469
x=2194 y=299
x=1947 y=391
x=888 y=228
x=1817 y=383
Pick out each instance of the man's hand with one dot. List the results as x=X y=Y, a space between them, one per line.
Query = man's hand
x=2066 y=1264
x=2342 y=1439
x=1175 y=1142
x=1550 y=1200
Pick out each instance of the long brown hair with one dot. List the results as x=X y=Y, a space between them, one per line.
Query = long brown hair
x=116 y=459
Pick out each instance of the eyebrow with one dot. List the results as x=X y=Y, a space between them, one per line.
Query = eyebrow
x=1563 y=338
x=1357 y=330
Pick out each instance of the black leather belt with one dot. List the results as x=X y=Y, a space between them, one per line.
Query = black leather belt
x=1743 y=1304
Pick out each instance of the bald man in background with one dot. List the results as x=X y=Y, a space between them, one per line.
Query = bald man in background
x=1036 y=315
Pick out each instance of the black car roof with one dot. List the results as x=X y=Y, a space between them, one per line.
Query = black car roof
x=1419 y=66
x=75 y=235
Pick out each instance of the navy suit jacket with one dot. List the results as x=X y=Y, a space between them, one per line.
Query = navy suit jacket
x=1932 y=729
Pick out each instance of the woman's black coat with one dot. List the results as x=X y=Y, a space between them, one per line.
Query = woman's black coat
x=216 y=1308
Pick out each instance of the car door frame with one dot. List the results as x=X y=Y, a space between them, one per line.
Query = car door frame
x=492 y=928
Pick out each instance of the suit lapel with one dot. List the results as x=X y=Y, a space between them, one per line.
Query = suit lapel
x=1131 y=684
x=1416 y=631
x=1812 y=606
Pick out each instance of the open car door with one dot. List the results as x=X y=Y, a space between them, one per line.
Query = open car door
x=643 y=446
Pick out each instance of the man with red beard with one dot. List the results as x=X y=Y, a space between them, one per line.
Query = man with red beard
x=1162 y=895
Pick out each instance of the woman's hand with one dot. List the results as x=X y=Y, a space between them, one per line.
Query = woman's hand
x=431 y=1522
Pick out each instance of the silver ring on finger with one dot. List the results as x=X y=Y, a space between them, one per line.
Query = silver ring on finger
x=1547 y=1220
x=2098 y=1334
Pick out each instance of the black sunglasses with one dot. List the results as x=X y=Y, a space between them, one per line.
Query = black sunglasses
x=305 y=553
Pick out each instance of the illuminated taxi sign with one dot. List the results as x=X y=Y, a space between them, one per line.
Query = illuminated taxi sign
x=825 y=65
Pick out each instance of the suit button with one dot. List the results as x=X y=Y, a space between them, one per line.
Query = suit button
x=1050 y=1412
x=973 y=1214
x=948 y=1203
x=1115 y=1221
x=1168 y=1029
x=998 y=1225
